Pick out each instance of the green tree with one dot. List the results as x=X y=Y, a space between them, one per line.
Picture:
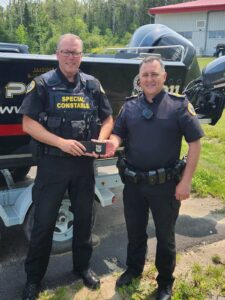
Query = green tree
x=100 y=23
x=21 y=33
x=3 y=31
x=27 y=19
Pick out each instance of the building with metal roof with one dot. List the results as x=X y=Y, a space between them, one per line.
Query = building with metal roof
x=202 y=22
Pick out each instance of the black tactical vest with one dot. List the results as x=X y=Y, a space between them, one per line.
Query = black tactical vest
x=72 y=113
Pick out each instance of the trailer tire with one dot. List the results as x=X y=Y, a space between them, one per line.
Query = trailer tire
x=63 y=232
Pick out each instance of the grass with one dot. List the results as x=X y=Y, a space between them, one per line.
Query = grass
x=61 y=293
x=203 y=61
x=140 y=289
x=209 y=178
x=199 y=283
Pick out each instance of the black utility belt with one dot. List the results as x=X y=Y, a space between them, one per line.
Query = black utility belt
x=158 y=176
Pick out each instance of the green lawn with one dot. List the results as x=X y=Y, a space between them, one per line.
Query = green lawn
x=203 y=61
x=210 y=176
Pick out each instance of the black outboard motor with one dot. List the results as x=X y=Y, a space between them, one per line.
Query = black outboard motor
x=207 y=93
x=220 y=50
x=155 y=35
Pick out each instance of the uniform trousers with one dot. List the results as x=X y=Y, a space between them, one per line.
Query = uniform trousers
x=160 y=199
x=54 y=176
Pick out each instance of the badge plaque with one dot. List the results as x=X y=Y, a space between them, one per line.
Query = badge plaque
x=97 y=147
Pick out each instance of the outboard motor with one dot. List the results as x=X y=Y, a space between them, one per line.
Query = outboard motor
x=207 y=93
x=157 y=35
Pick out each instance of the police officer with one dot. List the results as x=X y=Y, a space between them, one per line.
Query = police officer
x=152 y=125
x=62 y=108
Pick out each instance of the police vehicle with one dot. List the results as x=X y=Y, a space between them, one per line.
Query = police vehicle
x=118 y=74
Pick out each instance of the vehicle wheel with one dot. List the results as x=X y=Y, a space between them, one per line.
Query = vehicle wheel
x=63 y=232
x=19 y=173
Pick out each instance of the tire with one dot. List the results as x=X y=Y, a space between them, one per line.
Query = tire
x=63 y=232
x=19 y=173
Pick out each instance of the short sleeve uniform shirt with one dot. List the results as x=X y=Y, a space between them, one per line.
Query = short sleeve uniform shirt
x=156 y=142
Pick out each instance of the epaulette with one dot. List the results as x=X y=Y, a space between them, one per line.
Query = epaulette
x=85 y=77
x=91 y=83
x=51 y=78
x=131 y=97
x=176 y=95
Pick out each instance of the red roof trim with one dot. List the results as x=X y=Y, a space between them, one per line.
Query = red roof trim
x=192 y=6
x=12 y=129
x=159 y=11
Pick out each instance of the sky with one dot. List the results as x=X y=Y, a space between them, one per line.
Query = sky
x=4 y=2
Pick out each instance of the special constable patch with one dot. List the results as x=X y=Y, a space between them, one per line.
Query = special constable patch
x=191 y=109
x=30 y=86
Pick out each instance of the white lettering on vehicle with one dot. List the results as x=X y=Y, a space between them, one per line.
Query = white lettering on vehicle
x=9 y=110
x=15 y=88
x=174 y=89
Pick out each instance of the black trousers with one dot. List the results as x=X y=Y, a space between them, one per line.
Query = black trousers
x=160 y=199
x=54 y=176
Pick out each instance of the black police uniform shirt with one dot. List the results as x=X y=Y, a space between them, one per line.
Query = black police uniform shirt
x=37 y=101
x=152 y=132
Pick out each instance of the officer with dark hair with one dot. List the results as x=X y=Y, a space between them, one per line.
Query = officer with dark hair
x=62 y=109
x=152 y=125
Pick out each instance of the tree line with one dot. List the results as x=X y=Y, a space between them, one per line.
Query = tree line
x=100 y=23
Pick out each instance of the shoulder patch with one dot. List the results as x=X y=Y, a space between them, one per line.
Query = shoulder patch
x=30 y=86
x=131 y=97
x=191 y=109
x=101 y=89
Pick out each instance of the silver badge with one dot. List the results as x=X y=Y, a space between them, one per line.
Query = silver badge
x=98 y=148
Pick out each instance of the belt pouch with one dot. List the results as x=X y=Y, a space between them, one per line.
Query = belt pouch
x=78 y=129
x=161 y=175
x=152 y=178
x=131 y=176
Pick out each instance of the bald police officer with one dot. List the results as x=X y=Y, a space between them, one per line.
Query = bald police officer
x=152 y=125
x=62 y=108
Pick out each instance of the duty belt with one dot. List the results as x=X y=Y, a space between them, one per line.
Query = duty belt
x=158 y=176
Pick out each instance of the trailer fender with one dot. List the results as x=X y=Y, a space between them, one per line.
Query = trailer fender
x=23 y=203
